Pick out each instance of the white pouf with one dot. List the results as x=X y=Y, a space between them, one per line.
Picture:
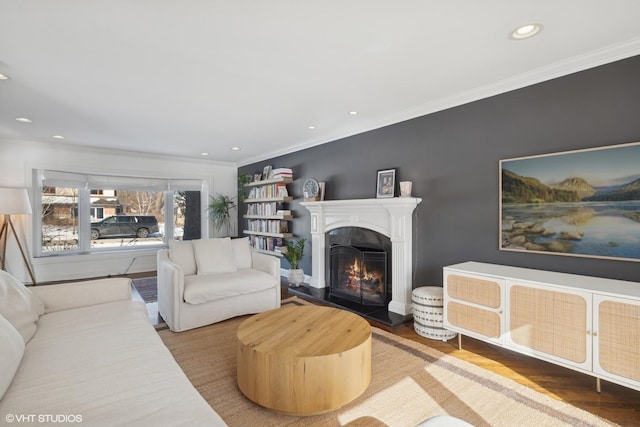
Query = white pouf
x=427 y=313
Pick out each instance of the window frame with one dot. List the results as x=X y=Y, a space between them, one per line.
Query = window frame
x=83 y=183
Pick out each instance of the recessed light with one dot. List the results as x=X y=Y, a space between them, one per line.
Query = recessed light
x=353 y=113
x=4 y=77
x=312 y=127
x=58 y=137
x=204 y=154
x=236 y=148
x=525 y=31
x=23 y=120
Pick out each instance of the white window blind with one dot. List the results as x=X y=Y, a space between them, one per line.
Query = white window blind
x=53 y=178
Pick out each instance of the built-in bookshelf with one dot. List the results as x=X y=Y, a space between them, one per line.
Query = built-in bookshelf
x=267 y=215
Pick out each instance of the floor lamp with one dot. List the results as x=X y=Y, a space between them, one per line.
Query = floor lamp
x=14 y=201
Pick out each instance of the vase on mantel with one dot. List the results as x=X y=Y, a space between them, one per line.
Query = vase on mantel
x=296 y=277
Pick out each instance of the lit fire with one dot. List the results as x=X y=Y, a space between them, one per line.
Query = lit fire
x=367 y=281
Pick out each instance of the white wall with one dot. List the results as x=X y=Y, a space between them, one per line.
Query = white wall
x=19 y=158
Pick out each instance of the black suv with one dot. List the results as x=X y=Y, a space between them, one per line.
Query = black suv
x=124 y=225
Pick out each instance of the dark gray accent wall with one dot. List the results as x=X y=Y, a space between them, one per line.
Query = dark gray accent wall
x=452 y=157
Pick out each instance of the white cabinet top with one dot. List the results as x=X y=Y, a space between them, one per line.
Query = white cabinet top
x=611 y=287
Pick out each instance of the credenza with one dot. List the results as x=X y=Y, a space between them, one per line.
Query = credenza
x=585 y=323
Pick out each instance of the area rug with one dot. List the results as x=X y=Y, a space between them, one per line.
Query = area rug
x=147 y=287
x=410 y=383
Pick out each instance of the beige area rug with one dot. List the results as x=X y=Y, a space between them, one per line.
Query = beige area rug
x=410 y=383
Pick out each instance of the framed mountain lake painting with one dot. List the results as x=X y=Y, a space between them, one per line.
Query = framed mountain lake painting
x=577 y=203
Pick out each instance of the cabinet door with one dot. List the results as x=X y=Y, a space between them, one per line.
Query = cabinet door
x=617 y=339
x=473 y=305
x=550 y=323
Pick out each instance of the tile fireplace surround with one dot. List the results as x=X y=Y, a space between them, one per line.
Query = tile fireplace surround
x=392 y=217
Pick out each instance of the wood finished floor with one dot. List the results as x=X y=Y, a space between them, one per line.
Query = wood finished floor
x=615 y=403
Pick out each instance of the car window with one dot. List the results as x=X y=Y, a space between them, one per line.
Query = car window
x=110 y=220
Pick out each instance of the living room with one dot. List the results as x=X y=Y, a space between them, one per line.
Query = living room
x=451 y=154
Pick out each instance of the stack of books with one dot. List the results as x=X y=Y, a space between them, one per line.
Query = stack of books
x=282 y=173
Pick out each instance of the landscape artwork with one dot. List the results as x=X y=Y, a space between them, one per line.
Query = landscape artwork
x=577 y=203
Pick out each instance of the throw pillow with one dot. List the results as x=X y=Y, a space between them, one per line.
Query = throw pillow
x=19 y=305
x=214 y=255
x=181 y=254
x=242 y=252
x=11 y=352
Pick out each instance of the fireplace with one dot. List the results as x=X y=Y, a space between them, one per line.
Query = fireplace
x=358 y=265
x=391 y=218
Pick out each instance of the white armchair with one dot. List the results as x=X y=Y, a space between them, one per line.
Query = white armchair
x=201 y=282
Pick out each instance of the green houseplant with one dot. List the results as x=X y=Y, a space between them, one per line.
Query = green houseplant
x=293 y=254
x=220 y=208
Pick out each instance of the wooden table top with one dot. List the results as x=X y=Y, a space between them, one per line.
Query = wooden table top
x=304 y=331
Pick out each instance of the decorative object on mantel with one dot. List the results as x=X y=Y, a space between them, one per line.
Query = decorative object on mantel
x=293 y=254
x=405 y=188
x=322 y=188
x=311 y=190
x=386 y=183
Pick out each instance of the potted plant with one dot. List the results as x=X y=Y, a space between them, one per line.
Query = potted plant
x=220 y=208
x=293 y=254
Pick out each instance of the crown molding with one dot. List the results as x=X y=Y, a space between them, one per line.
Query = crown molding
x=562 y=68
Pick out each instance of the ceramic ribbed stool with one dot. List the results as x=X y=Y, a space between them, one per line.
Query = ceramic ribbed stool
x=427 y=313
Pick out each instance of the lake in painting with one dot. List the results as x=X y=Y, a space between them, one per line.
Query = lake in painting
x=582 y=203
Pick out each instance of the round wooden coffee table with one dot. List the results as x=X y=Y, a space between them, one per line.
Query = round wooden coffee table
x=304 y=360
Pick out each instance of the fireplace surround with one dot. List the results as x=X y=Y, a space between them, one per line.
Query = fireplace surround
x=392 y=217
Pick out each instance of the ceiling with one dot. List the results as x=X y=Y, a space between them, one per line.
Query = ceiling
x=183 y=78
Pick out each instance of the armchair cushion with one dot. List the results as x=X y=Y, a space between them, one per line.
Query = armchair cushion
x=11 y=352
x=21 y=307
x=181 y=254
x=241 y=252
x=200 y=289
x=214 y=256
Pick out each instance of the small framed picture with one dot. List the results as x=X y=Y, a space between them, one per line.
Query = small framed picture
x=266 y=172
x=386 y=183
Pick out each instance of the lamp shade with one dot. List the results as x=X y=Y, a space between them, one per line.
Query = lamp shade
x=14 y=201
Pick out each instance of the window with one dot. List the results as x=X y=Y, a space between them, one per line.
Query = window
x=97 y=213
x=84 y=213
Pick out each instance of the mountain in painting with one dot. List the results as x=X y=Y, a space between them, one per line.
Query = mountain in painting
x=519 y=189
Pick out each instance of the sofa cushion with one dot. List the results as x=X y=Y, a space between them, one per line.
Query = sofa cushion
x=201 y=289
x=11 y=352
x=181 y=254
x=107 y=363
x=19 y=305
x=241 y=252
x=214 y=256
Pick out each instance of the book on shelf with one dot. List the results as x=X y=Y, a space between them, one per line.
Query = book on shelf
x=274 y=226
x=281 y=190
x=282 y=173
x=273 y=244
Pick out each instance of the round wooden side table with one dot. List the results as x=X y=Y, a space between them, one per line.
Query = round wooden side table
x=304 y=360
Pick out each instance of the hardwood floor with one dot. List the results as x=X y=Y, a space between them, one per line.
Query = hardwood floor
x=615 y=403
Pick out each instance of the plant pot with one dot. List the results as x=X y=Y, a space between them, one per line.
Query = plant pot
x=296 y=277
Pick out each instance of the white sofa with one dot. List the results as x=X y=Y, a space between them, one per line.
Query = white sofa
x=84 y=353
x=204 y=281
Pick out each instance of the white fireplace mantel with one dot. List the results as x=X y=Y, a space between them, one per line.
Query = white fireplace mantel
x=392 y=217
